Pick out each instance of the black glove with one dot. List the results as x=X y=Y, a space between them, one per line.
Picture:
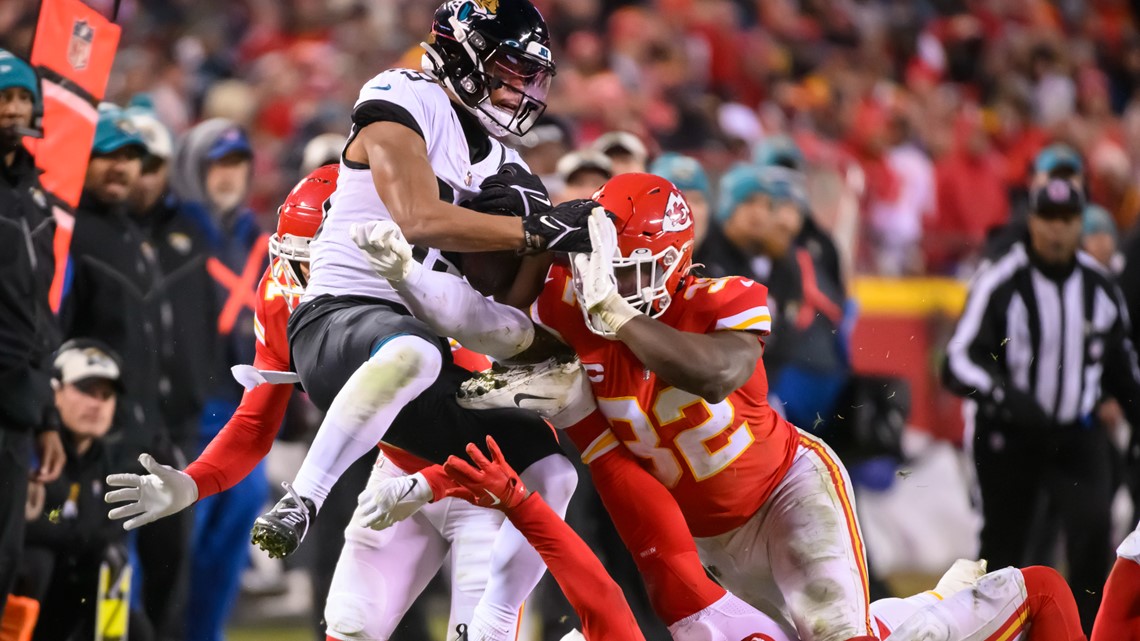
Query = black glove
x=562 y=229
x=1021 y=410
x=513 y=191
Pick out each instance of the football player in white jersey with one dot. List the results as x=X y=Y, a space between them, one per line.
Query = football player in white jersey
x=420 y=143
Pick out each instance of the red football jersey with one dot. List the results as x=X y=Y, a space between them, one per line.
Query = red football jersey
x=720 y=461
x=247 y=437
x=271 y=321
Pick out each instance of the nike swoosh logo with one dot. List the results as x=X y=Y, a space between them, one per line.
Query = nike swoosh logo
x=384 y=88
x=493 y=498
x=410 y=489
x=523 y=396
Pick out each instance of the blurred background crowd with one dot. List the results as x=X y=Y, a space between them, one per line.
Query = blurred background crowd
x=863 y=158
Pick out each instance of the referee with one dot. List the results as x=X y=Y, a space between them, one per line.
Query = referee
x=1044 y=337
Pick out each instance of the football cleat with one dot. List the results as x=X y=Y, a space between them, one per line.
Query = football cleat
x=280 y=531
x=963 y=574
x=548 y=387
x=461 y=631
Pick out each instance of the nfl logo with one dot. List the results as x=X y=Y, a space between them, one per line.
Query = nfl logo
x=79 y=48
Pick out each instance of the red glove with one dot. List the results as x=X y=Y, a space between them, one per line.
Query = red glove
x=442 y=487
x=492 y=482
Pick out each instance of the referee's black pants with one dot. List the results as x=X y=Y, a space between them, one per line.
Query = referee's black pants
x=1025 y=475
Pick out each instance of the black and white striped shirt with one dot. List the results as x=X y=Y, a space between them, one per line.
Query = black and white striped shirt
x=1061 y=338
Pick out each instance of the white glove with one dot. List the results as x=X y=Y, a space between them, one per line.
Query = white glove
x=163 y=492
x=384 y=245
x=596 y=284
x=391 y=501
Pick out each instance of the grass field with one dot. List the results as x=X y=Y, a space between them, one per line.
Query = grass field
x=274 y=633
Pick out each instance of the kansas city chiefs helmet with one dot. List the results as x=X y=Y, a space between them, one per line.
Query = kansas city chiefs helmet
x=478 y=46
x=298 y=220
x=654 y=250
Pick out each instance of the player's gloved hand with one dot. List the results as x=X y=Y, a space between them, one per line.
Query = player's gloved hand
x=1019 y=409
x=148 y=498
x=493 y=482
x=562 y=229
x=391 y=501
x=513 y=191
x=388 y=252
x=595 y=281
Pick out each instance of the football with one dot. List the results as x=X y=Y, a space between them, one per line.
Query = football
x=492 y=273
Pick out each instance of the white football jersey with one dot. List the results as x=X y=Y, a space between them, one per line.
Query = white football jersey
x=412 y=98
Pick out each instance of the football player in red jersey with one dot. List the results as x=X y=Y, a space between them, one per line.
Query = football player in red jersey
x=673 y=362
x=1030 y=604
x=412 y=554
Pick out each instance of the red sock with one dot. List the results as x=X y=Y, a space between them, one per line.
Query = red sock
x=1119 y=615
x=1052 y=610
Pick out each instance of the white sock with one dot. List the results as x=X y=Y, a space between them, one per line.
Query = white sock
x=516 y=567
x=363 y=410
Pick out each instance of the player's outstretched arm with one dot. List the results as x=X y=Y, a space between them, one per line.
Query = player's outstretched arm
x=711 y=366
x=649 y=522
x=450 y=305
x=406 y=183
x=595 y=596
x=230 y=457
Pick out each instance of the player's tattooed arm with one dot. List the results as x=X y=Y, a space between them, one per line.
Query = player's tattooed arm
x=398 y=159
x=711 y=366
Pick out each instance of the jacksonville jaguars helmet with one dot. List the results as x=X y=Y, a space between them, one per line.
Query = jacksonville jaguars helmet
x=478 y=46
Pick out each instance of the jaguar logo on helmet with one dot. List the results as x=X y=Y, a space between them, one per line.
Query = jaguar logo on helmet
x=465 y=10
x=494 y=56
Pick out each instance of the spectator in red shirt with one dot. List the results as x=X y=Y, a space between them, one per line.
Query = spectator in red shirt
x=972 y=197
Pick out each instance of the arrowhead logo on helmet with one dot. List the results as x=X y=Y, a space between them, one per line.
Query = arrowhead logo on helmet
x=654 y=238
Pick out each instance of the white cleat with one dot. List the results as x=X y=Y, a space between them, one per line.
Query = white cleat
x=548 y=387
x=963 y=574
x=391 y=501
x=573 y=635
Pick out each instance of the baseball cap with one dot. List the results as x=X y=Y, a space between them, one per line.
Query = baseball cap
x=779 y=150
x=114 y=131
x=1058 y=156
x=577 y=161
x=621 y=141
x=14 y=72
x=745 y=181
x=232 y=140
x=1057 y=198
x=156 y=137
x=548 y=128
x=1097 y=220
x=86 y=359
x=683 y=171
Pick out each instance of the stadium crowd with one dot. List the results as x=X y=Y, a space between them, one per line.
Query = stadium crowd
x=816 y=141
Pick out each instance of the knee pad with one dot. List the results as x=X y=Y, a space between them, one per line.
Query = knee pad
x=346 y=615
x=555 y=478
x=399 y=361
x=398 y=370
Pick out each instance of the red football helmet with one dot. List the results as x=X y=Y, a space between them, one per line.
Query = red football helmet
x=298 y=219
x=654 y=235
